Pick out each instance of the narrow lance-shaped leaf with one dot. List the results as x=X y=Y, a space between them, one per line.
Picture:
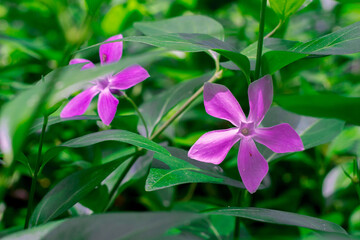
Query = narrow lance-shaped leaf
x=280 y=217
x=69 y=191
x=108 y=135
x=168 y=171
x=110 y=226
x=183 y=24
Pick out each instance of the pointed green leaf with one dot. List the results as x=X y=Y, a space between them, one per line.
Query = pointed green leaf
x=70 y=191
x=168 y=171
x=108 y=135
x=285 y=8
x=183 y=24
x=110 y=226
x=280 y=217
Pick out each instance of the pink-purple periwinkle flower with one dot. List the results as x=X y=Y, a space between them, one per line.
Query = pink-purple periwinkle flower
x=212 y=147
x=105 y=86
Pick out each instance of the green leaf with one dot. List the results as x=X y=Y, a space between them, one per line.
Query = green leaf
x=157 y=107
x=313 y=131
x=108 y=135
x=183 y=24
x=110 y=226
x=168 y=171
x=15 y=124
x=280 y=217
x=285 y=8
x=322 y=105
x=70 y=191
x=337 y=180
x=36 y=233
x=273 y=61
x=344 y=41
x=276 y=55
x=56 y=119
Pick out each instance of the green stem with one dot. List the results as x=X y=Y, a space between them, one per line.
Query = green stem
x=237 y=219
x=275 y=29
x=261 y=39
x=138 y=112
x=36 y=171
x=216 y=76
x=113 y=191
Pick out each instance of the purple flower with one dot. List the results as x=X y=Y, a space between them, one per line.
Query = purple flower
x=107 y=103
x=212 y=147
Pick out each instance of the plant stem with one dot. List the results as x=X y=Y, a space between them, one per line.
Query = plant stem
x=216 y=76
x=275 y=29
x=138 y=112
x=237 y=219
x=261 y=39
x=36 y=171
x=113 y=191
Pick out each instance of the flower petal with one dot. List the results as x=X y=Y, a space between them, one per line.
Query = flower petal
x=260 y=98
x=251 y=164
x=111 y=52
x=107 y=106
x=79 y=104
x=212 y=147
x=281 y=138
x=220 y=103
x=128 y=77
x=81 y=60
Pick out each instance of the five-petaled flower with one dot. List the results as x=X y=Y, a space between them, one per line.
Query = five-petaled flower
x=107 y=103
x=212 y=147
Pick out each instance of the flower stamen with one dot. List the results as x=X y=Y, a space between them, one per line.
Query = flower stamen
x=245 y=131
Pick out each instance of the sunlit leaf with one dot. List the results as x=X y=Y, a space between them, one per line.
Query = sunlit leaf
x=168 y=171
x=183 y=24
x=285 y=8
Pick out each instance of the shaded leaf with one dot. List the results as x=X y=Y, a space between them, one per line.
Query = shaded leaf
x=70 y=191
x=280 y=217
x=322 y=105
x=129 y=226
